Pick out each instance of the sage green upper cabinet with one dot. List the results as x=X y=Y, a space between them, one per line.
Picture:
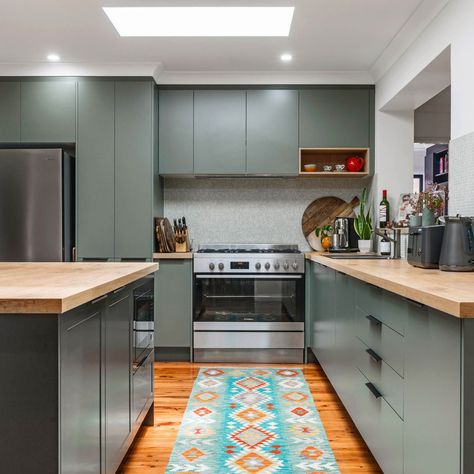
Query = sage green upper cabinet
x=48 y=111
x=334 y=118
x=9 y=112
x=176 y=132
x=134 y=169
x=272 y=131
x=219 y=132
x=95 y=169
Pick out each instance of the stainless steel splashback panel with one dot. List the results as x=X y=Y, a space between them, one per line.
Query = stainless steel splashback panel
x=31 y=200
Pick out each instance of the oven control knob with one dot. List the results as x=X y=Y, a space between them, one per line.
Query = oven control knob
x=286 y=266
x=267 y=266
x=258 y=266
x=276 y=266
x=295 y=266
x=211 y=266
x=221 y=266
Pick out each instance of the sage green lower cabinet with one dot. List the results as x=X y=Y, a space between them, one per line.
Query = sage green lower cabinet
x=173 y=308
x=95 y=170
x=219 y=131
x=432 y=392
x=404 y=371
x=80 y=398
x=9 y=112
x=323 y=325
x=48 y=111
x=272 y=131
x=118 y=323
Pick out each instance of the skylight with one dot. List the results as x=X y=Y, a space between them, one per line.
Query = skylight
x=201 y=21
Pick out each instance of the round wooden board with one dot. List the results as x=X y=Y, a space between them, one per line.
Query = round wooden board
x=323 y=211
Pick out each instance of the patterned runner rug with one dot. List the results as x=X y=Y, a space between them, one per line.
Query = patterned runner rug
x=258 y=421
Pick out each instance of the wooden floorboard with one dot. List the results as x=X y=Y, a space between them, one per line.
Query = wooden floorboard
x=173 y=384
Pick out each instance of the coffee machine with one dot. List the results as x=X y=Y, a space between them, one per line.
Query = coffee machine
x=344 y=238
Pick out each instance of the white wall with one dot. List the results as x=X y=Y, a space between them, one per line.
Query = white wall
x=453 y=27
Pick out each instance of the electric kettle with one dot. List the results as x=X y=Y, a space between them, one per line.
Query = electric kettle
x=457 y=249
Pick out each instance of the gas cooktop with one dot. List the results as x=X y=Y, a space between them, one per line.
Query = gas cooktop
x=248 y=258
x=247 y=248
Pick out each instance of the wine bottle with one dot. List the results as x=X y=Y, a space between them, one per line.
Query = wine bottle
x=384 y=210
x=385 y=245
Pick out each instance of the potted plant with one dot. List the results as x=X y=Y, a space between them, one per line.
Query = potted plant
x=433 y=202
x=363 y=224
x=416 y=203
x=324 y=234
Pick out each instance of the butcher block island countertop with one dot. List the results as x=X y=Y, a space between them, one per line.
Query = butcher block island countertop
x=32 y=288
x=450 y=292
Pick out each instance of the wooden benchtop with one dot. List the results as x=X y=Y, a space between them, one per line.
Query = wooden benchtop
x=59 y=287
x=173 y=256
x=450 y=292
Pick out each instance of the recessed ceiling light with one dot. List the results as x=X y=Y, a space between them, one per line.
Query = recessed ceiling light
x=286 y=57
x=201 y=21
x=53 y=57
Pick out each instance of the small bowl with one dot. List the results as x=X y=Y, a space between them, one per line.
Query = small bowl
x=310 y=167
x=327 y=168
x=340 y=168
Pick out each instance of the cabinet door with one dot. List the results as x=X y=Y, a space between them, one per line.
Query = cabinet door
x=432 y=392
x=345 y=337
x=324 y=325
x=334 y=118
x=95 y=170
x=173 y=303
x=176 y=132
x=117 y=377
x=219 y=132
x=9 y=112
x=272 y=131
x=48 y=111
x=80 y=390
x=133 y=169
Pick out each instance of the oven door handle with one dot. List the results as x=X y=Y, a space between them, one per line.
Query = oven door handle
x=248 y=275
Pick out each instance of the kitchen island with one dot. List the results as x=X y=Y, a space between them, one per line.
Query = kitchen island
x=71 y=398
x=397 y=344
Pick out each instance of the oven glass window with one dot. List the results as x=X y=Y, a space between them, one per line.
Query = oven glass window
x=247 y=299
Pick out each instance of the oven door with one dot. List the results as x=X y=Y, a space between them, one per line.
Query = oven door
x=251 y=302
x=143 y=322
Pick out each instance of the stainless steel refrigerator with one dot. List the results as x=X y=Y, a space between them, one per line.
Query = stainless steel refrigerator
x=36 y=205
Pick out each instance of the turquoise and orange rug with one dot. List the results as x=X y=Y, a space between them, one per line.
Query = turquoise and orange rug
x=251 y=421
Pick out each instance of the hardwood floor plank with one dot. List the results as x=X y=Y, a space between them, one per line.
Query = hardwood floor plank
x=173 y=384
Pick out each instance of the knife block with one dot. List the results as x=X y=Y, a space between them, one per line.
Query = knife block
x=182 y=241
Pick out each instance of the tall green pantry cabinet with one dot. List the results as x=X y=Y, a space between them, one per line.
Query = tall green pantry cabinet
x=116 y=161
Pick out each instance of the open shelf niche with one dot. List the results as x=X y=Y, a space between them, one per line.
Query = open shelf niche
x=332 y=156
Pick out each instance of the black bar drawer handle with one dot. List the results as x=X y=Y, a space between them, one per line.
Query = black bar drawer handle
x=372 y=388
x=374 y=320
x=374 y=355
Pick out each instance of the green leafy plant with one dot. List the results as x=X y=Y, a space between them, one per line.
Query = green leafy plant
x=363 y=221
x=323 y=231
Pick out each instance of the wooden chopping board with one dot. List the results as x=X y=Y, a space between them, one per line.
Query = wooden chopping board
x=323 y=211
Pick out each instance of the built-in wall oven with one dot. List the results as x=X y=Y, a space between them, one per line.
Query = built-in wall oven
x=248 y=304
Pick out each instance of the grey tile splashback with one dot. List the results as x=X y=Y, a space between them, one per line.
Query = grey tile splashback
x=461 y=175
x=250 y=210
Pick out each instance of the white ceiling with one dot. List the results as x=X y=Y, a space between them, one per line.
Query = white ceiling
x=326 y=35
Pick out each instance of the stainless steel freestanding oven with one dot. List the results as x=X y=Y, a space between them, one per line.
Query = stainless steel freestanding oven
x=248 y=304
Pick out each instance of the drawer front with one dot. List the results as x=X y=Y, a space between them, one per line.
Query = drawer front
x=386 y=342
x=385 y=379
x=142 y=381
x=379 y=425
x=394 y=312
x=369 y=298
x=389 y=308
x=248 y=340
